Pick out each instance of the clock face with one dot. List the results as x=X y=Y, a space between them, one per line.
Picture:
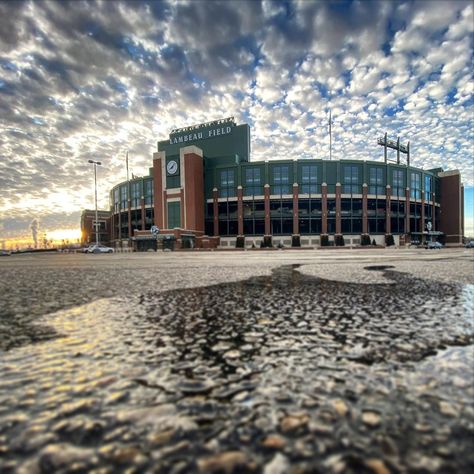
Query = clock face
x=172 y=167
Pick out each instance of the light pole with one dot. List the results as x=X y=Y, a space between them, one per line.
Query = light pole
x=331 y=122
x=96 y=163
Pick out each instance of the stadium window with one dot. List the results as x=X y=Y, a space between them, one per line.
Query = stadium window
x=376 y=181
x=253 y=183
x=309 y=179
x=415 y=186
x=351 y=180
x=398 y=183
x=281 y=179
x=227 y=183
x=428 y=196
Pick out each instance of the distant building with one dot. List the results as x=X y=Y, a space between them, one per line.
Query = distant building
x=203 y=190
x=88 y=228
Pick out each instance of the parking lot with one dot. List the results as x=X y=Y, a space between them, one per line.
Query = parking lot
x=333 y=360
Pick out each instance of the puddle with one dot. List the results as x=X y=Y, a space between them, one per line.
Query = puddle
x=379 y=267
x=339 y=371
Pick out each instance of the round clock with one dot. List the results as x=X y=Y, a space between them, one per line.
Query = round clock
x=172 y=167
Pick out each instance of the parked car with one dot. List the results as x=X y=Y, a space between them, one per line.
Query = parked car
x=470 y=244
x=4 y=253
x=100 y=249
x=434 y=245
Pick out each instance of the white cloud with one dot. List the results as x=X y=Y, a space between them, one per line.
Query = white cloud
x=96 y=79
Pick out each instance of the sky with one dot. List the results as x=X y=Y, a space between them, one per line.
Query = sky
x=90 y=80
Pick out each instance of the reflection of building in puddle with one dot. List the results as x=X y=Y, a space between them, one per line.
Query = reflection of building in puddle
x=448 y=375
x=467 y=295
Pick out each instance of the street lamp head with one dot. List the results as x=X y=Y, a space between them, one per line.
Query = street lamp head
x=94 y=162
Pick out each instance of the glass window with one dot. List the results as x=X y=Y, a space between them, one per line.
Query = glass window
x=149 y=218
x=428 y=195
x=309 y=179
x=398 y=178
x=351 y=180
x=135 y=191
x=281 y=213
x=116 y=200
x=253 y=182
x=227 y=183
x=254 y=217
x=415 y=187
x=123 y=197
x=148 y=192
x=281 y=179
x=331 y=203
x=376 y=181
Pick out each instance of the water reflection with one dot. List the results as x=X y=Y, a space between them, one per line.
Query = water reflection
x=167 y=379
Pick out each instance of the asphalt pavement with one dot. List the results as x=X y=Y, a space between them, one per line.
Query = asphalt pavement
x=238 y=361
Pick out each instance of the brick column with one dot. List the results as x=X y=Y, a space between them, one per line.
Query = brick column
x=422 y=211
x=240 y=211
x=338 y=208
x=324 y=208
x=142 y=204
x=192 y=192
x=365 y=220
x=296 y=227
x=266 y=191
x=407 y=210
x=433 y=211
x=215 y=195
x=182 y=210
x=159 y=189
x=164 y=212
x=388 y=193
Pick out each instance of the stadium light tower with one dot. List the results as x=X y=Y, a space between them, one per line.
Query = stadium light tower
x=96 y=224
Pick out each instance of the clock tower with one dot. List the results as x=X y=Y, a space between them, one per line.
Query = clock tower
x=179 y=190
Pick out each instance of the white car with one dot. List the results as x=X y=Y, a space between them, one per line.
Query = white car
x=434 y=245
x=100 y=249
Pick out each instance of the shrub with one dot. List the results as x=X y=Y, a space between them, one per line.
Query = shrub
x=339 y=240
x=374 y=242
x=389 y=240
x=365 y=239
x=324 y=240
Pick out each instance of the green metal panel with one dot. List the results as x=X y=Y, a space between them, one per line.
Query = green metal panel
x=174 y=215
x=232 y=140
x=331 y=176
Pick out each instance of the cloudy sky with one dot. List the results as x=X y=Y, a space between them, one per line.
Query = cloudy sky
x=84 y=80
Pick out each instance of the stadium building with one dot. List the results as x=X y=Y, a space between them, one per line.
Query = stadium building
x=204 y=191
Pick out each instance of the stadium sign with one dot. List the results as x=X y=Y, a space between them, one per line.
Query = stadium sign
x=202 y=131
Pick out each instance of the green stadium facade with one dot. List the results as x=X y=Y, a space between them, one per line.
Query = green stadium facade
x=203 y=191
